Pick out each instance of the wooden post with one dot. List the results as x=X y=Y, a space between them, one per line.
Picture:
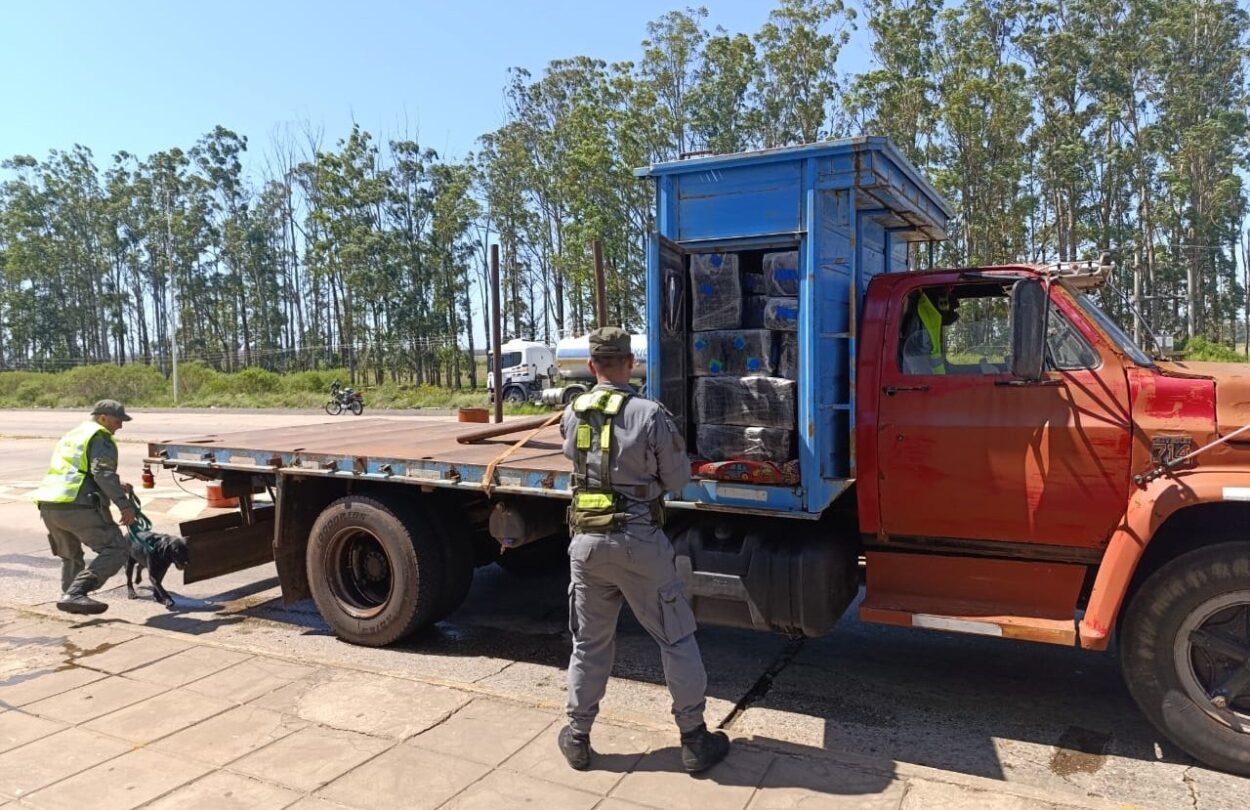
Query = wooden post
x=601 y=289
x=496 y=330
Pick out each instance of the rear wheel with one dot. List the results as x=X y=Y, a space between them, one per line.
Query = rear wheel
x=334 y=407
x=375 y=572
x=357 y=407
x=1185 y=651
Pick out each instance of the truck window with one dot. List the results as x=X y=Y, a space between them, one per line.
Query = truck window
x=956 y=330
x=1066 y=348
x=506 y=360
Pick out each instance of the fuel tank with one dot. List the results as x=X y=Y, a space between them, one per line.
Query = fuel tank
x=573 y=352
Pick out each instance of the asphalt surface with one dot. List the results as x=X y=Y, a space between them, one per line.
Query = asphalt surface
x=1048 y=717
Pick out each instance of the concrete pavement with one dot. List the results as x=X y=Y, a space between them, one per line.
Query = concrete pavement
x=105 y=714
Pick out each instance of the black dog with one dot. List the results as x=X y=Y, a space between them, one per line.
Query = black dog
x=155 y=552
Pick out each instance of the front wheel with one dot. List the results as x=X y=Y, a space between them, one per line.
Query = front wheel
x=515 y=396
x=357 y=407
x=1185 y=651
x=334 y=407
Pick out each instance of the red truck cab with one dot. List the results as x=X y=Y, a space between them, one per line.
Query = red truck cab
x=1010 y=483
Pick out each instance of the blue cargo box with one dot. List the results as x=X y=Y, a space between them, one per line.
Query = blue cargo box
x=850 y=208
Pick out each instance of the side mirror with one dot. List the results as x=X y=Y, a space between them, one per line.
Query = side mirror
x=1029 y=307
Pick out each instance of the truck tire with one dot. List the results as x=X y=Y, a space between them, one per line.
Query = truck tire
x=1185 y=638
x=457 y=562
x=515 y=396
x=375 y=572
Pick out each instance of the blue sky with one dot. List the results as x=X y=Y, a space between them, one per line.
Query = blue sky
x=145 y=75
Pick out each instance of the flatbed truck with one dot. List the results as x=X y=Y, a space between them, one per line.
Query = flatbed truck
x=1048 y=481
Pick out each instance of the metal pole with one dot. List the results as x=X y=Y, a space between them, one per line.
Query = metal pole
x=173 y=292
x=496 y=331
x=601 y=287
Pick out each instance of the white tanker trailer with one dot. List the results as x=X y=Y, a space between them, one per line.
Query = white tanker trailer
x=571 y=356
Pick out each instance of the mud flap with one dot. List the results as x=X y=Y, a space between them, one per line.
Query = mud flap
x=222 y=544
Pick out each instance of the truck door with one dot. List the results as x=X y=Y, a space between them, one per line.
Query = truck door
x=967 y=452
x=668 y=339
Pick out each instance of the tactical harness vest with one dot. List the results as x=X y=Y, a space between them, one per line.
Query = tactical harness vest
x=599 y=508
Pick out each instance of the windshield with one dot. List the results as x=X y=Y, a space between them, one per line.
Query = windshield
x=506 y=360
x=1113 y=330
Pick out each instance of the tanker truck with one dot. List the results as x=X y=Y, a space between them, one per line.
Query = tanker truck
x=574 y=376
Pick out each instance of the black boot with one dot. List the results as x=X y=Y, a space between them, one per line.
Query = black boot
x=576 y=748
x=75 y=600
x=701 y=749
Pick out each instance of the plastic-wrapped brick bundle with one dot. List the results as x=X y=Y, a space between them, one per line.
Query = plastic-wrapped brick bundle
x=753 y=311
x=716 y=291
x=788 y=356
x=733 y=352
x=754 y=283
x=782 y=314
x=745 y=401
x=782 y=270
x=724 y=442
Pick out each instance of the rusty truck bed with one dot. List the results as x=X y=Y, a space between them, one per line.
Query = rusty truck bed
x=379 y=449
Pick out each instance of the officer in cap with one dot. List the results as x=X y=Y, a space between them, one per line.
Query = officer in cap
x=626 y=454
x=74 y=503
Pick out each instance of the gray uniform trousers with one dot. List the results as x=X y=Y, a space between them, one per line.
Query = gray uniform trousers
x=69 y=529
x=635 y=567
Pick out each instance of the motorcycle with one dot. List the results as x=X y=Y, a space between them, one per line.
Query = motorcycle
x=344 y=399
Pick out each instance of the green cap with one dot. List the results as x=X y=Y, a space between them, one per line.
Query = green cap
x=110 y=407
x=610 y=341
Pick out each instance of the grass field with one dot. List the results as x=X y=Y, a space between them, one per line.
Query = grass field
x=199 y=386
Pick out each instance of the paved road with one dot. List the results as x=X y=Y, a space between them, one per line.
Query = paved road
x=1033 y=715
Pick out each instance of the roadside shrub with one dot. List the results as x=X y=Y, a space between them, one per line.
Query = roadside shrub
x=132 y=383
x=1201 y=349
x=317 y=381
x=253 y=381
x=194 y=378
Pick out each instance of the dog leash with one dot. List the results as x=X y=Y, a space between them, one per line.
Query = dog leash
x=142 y=523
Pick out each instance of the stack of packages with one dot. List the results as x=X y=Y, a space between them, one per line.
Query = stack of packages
x=744 y=329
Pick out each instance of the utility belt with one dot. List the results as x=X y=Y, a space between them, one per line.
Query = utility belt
x=598 y=511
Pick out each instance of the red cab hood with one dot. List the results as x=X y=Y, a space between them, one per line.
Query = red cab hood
x=1232 y=389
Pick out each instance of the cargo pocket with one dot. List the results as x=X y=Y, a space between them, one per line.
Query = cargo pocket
x=573 y=624
x=676 y=613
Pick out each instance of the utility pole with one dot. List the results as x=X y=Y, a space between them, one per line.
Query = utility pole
x=496 y=327
x=173 y=291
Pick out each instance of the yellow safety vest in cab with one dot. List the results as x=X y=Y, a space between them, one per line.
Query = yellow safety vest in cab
x=69 y=467
x=596 y=508
x=931 y=319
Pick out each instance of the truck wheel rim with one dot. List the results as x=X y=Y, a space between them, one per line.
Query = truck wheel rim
x=1212 y=655
x=360 y=572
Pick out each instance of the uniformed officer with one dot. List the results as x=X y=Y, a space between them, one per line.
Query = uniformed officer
x=74 y=503
x=626 y=453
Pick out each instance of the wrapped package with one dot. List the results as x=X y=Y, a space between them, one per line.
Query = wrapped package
x=787 y=363
x=782 y=271
x=745 y=401
x=754 y=283
x=753 y=311
x=716 y=291
x=781 y=314
x=734 y=352
x=727 y=442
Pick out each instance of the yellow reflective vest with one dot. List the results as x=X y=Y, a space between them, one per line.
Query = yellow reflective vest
x=932 y=321
x=69 y=467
